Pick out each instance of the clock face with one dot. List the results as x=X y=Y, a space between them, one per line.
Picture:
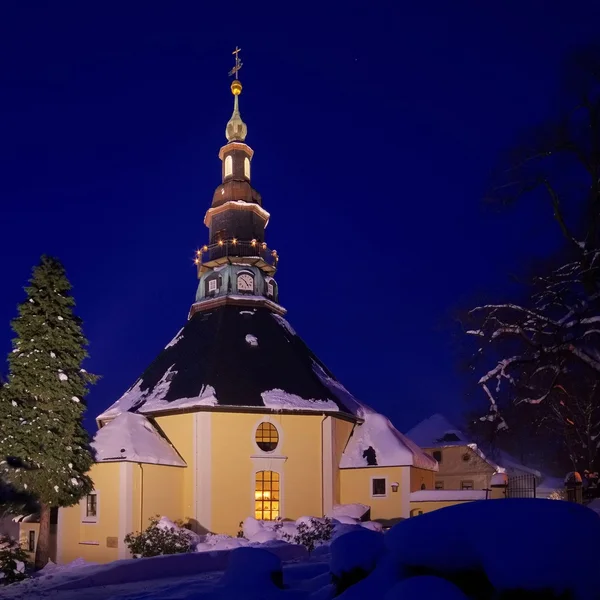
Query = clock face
x=245 y=283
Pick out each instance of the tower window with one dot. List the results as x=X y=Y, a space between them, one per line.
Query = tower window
x=270 y=289
x=267 y=437
x=247 y=168
x=266 y=496
x=228 y=166
x=212 y=285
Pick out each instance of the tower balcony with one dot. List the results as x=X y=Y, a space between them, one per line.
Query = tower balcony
x=233 y=250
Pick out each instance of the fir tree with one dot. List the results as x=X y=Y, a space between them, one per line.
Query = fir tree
x=45 y=445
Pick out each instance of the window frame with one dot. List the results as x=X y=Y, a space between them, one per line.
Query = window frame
x=228 y=166
x=385 y=480
x=468 y=482
x=212 y=285
x=256 y=430
x=440 y=459
x=439 y=485
x=85 y=517
x=31 y=540
x=255 y=491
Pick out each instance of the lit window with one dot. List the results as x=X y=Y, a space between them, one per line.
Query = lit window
x=228 y=166
x=267 y=437
x=91 y=505
x=266 y=496
x=247 y=168
x=378 y=487
x=437 y=454
x=212 y=285
x=466 y=485
x=439 y=485
x=31 y=541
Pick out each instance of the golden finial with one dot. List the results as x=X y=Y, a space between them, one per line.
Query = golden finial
x=236 y=86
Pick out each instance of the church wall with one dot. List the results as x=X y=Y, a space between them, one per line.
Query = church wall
x=357 y=486
x=454 y=471
x=179 y=430
x=341 y=434
x=236 y=458
x=157 y=490
x=91 y=541
x=420 y=477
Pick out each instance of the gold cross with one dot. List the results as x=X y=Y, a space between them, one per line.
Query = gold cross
x=238 y=62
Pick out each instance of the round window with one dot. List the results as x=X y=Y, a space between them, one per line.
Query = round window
x=267 y=437
x=466 y=457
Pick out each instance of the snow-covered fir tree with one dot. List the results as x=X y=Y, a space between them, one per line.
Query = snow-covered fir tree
x=44 y=445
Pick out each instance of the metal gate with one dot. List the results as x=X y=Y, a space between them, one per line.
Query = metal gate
x=521 y=486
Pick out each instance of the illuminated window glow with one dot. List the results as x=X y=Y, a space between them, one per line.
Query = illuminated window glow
x=266 y=496
x=247 y=168
x=267 y=437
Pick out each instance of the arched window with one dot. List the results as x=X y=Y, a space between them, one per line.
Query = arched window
x=267 y=437
x=266 y=496
x=228 y=166
x=247 y=168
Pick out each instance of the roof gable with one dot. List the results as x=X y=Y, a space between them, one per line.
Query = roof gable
x=131 y=437
x=435 y=432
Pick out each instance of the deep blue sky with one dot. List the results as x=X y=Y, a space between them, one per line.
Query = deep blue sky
x=374 y=125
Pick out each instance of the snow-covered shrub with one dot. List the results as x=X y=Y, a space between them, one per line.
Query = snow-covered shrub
x=252 y=570
x=559 y=494
x=353 y=556
x=12 y=561
x=311 y=532
x=160 y=537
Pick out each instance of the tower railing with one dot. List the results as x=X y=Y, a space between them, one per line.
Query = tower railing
x=249 y=252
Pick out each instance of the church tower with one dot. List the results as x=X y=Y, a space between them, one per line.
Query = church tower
x=236 y=266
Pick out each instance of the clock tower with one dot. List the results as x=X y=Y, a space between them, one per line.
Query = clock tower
x=236 y=266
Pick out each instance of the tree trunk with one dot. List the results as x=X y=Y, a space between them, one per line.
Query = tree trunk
x=42 y=551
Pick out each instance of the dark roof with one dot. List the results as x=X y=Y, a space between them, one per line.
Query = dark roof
x=215 y=361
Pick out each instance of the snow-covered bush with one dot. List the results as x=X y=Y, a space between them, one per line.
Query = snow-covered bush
x=160 y=537
x=12 y=561
x=252 y=570
x=559 y=494
x=311 y=532
x=353 y=556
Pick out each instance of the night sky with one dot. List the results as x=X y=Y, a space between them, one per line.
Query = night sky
x=375 y=126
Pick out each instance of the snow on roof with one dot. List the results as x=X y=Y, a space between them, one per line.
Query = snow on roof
x=447 y=495
x=512 y=464
x=376 y=442
x=488 y=460
x=436 y=432
x=211 y=362
x=131 y=437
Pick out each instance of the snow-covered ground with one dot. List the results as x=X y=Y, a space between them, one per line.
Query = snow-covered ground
x=487 y=547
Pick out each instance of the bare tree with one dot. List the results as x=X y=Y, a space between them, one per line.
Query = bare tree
x=545 y=349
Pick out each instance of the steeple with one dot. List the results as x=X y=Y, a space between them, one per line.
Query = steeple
x=236 y=130
x=236 y=266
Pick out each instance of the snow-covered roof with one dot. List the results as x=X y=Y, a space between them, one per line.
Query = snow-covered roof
x=131 y=437
x=376 y=442
x=437 y=432
x=211 y=363
x=447 y=495
x=511 y=464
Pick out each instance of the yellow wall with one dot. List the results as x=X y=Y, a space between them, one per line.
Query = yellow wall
x=179 y=430
x=341 y=434
x=236 y=458
x=418 y=477
x=25 y=528
x=426 y=507
x=356 y=486
x=157 y=490
x=453 y=469
x=89 y=541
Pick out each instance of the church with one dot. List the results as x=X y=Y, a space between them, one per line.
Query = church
x=236 y=416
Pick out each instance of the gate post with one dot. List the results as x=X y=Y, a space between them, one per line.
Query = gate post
x=574 y=488
x=499 y=486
